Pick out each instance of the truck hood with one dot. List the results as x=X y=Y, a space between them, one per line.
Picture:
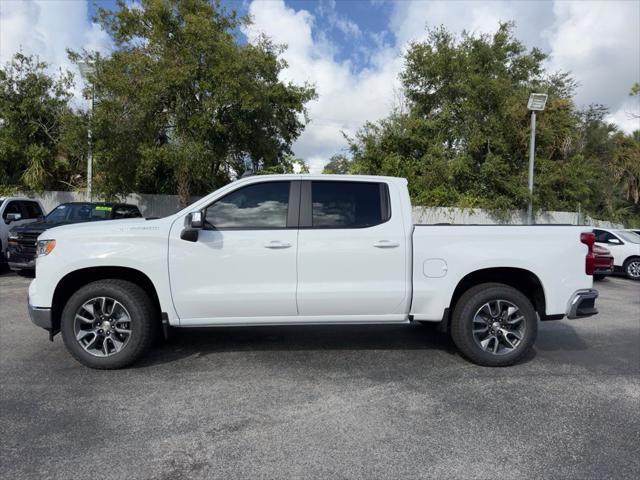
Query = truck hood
x=110 y=229
x=39 y=226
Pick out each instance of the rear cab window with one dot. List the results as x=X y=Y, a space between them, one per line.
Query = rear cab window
x=344 y=204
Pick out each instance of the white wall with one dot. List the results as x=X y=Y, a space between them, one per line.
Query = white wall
x=431 y=215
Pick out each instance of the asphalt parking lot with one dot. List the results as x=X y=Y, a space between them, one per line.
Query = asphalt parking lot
x=325 y=402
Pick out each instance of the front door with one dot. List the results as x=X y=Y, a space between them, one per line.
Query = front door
x=244 y=261
x=615 y=245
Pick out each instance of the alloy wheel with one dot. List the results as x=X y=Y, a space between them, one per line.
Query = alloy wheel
x=102 y=326
x=498 y=327
x=633 y=269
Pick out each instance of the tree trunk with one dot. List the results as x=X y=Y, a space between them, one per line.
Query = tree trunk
x=184 y=185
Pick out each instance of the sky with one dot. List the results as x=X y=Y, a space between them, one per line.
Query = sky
x=351 y=50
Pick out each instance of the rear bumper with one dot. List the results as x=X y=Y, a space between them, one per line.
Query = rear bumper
x=583 y=303
x=40 y=316
x=603 y=271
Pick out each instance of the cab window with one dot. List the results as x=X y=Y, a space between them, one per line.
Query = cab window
x=31 y=210
x=348 y=204
x=12 y=207
x=257 y=206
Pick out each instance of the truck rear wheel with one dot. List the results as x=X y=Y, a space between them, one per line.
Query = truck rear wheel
x=108 y=324
x=494 y=325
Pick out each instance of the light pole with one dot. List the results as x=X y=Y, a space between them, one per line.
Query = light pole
x=87 y=70
x=537 y=101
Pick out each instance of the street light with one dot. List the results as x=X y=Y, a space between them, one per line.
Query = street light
x=86 y=71
x=537 y=101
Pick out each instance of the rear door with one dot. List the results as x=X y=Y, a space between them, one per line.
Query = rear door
x=351 y=252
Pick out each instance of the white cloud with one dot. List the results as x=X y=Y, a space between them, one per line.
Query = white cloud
x=346 y=99
x=46 y=28
x=599 y=43
x=339 y=22
x=627 y=117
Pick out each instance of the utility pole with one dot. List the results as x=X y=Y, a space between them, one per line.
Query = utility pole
x=87 y=70
x=532 y=159
x=537 y=102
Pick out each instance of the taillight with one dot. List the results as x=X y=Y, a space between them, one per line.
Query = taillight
x=588 y=238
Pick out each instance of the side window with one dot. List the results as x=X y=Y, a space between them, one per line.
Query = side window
x=31 y=210
x=602 y=236
x=12 y=207
x=126 y=211
x=262 y=205
x=348 y=204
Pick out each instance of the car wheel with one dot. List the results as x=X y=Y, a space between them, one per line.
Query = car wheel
x=494 y=325
x=598 y=276
x=632 y=268
x=108 y=324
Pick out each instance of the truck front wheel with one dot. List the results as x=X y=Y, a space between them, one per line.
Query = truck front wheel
x=494 y=325
x=108 y=324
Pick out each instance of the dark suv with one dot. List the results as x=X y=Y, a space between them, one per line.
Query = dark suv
x=21 y=249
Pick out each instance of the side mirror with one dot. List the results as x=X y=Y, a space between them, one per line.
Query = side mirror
x=196 y=221
x=12 y=217
x=614 y=241
x=193 y=223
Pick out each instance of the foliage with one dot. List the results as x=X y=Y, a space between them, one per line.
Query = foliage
x=462 y=139
x=182 y=104
x=34 y=116
x=338 y=164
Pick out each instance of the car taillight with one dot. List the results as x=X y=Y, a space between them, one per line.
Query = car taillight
x=588 y=238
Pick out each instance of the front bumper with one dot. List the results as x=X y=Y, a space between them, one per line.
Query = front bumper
x=22 y=265
x=20 y=261
x=40 y=316
x=583 y=303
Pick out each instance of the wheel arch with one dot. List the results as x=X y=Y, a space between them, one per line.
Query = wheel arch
x=521 y=279
x=72 y=281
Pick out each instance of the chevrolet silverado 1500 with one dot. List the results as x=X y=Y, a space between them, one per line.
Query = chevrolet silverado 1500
x=306 y=249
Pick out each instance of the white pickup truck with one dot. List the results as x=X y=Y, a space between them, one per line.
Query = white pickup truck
x=306 y=249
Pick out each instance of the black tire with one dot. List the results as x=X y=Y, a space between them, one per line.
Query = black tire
x=598 y=276
x=462 y=323
x=143 y=325
x=631 y=268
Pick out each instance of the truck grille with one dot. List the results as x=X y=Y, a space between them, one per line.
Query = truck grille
x=26 y=242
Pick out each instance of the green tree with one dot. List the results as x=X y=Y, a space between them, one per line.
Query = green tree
x=34 y=116
x=462 y=139
x=338 y=164
x=182 y=104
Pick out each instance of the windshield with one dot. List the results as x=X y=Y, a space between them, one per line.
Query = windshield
x=79 y=212
x=628 y=236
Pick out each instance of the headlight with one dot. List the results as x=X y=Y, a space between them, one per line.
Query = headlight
x=45 y=247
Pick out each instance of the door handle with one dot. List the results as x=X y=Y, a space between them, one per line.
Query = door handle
x=386 y=244
x=275 y=244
